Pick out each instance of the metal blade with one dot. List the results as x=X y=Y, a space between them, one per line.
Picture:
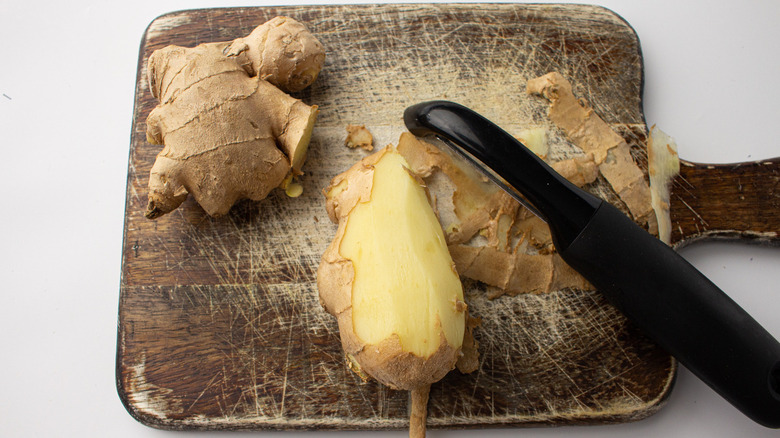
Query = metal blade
x=461 y=156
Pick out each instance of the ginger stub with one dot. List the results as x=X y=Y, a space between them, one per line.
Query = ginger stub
x=389 y=279
x=230 y=130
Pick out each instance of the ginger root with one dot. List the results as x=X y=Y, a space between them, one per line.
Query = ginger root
x=389 y=279
x=229 y=129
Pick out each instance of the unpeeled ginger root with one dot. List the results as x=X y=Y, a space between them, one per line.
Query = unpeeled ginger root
x=230 y=130
x=389 y=279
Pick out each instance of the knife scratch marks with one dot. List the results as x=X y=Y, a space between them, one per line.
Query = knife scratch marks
x=286 y=370
x=278 y=359
x=701 y=219
x=206 y=388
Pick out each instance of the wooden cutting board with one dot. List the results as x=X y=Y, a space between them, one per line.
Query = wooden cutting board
x=219 y=321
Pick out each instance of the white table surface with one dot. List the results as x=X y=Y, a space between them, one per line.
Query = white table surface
x=67 y=78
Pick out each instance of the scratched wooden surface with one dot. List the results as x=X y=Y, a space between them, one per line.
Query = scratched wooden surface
x=219 y=321
x=739 y=201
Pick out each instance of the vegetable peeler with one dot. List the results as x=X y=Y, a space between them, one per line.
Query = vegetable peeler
x=673 y=303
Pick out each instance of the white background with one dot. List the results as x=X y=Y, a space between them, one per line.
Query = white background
x=67 y=78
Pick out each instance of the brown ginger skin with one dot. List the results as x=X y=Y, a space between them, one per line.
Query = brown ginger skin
x=282 y=52
x=229 y=130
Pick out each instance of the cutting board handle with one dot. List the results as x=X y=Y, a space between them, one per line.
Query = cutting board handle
x=738 y=201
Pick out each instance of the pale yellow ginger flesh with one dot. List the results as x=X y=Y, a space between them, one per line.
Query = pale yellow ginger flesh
x=230 y=130
x=404 y=282
x=663 y=166
x=389 y=279
x=535 y=139
x=294 y=189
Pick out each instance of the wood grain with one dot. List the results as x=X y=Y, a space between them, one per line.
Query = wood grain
x=726 y=201
x=219 y=321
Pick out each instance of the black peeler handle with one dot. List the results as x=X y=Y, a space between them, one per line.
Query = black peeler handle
x=665 y=296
